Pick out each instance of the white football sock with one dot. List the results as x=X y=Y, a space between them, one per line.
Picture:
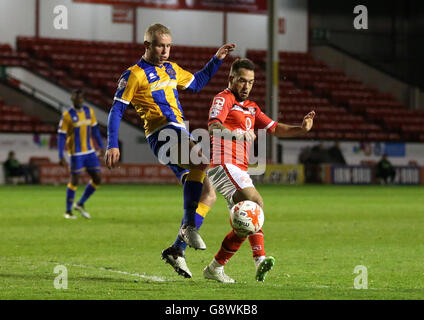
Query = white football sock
x=258 y=261
x=215 y=265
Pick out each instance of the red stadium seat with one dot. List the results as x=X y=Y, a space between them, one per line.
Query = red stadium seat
x=343 y=104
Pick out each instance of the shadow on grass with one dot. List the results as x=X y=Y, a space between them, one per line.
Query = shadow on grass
x=35 y=277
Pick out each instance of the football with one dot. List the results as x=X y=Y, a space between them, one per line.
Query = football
x=246 y=218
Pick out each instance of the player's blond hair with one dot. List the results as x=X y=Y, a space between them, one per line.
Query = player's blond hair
x=154 y=29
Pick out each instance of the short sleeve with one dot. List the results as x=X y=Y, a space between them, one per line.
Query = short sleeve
x=184 y=77
x=127 y=86
x=262 y=121
x=93 y=118
x=64 y=123
x=221 y=105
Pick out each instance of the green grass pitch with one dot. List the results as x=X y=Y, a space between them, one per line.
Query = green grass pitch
x=318 y=235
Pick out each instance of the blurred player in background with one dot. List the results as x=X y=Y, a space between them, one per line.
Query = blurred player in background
x=384 y=171
x=232 y=113
x=151 y=87
x=77 y=128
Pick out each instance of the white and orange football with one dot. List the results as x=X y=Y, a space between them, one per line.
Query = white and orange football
x=246 y=218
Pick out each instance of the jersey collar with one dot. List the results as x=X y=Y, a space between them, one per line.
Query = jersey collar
x=241 y=103
x=142 y=60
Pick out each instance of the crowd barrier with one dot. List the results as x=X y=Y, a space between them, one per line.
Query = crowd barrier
x=122 y=173
x=274 y=174
x=337 y=174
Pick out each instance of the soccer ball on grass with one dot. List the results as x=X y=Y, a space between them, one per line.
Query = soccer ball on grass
x=246 y=218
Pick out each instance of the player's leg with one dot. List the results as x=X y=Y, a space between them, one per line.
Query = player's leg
x=248 y=193
x=172 y=255
x=207 y=200
x=229 y=246
x=263 y=263
x=226 y=180
x=76 y=167
x=192 y=191
x=175 y=254
x=173 y=143
x=92 y=165
x=71 y=189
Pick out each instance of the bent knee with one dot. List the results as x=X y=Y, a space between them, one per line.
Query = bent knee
x=97 y=180
x=200 y=166
x=208 y=197
x=258 y=199
x=260 y=202
x=211 y=197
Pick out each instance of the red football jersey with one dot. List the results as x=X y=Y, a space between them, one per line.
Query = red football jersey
x=239 y=117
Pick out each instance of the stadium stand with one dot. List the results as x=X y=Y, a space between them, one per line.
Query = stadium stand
x=363 y=112
x=13 y=119
x=97 y=65
x=9 y=57
x=346 y=108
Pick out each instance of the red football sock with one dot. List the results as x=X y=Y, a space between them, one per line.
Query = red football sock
x=257 y=243
x=229 y=247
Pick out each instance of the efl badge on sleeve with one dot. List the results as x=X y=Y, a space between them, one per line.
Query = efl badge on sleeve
x=122 y=84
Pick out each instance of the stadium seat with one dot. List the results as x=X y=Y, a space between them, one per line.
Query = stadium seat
x=306 y=83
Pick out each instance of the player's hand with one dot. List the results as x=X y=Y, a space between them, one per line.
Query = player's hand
x=308 y=121
x=247 y=136
x=225 y=50
x=250 y=136
x=63 y=163
x=112 y=157
x=101 y=153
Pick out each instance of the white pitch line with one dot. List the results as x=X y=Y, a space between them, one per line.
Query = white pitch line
x=143 y=276
x=152 y=278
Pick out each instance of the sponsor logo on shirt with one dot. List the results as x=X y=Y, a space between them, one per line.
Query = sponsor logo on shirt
x=152 y=76
x=122 y=84
x=238 y=108
x=82 y=123
x=217 y=106
x=252 y=110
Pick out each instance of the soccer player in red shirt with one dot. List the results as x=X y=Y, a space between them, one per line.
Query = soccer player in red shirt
x=233 y=114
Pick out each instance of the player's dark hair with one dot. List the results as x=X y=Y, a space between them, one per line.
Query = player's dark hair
x=241 y=64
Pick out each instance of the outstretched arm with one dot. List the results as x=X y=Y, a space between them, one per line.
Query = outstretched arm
x=225 y=50
x=283 y=130
x=202 y=77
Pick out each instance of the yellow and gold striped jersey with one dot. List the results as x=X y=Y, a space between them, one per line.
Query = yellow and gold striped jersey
x=77 y=125
x=153 y=91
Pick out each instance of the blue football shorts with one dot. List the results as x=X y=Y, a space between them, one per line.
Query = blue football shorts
x=169 y=133
x=89 y=161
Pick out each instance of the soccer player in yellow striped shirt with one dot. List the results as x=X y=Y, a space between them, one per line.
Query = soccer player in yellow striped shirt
x=151 y=87
x=77 y=128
